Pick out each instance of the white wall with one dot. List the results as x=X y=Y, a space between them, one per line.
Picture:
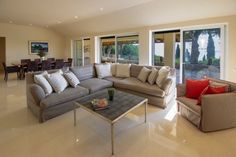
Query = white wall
x=17 y=37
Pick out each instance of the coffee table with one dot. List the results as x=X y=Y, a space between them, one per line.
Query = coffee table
x=121 y=105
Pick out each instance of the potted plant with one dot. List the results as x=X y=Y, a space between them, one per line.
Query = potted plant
x=42 y=55
x=111 y=93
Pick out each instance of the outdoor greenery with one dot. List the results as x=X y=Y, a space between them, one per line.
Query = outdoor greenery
x=128 y=51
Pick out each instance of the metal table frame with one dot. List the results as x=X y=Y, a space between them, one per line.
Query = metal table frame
x=115 y=120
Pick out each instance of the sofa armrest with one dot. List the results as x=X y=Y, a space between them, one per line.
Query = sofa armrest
x=37 y=93
x=181 y=90
x=218 y=111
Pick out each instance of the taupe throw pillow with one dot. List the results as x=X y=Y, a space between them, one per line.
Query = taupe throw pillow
x=71 y=78
x=144 y=73
x=123 y=70
x=163 y=73
x=153 y=76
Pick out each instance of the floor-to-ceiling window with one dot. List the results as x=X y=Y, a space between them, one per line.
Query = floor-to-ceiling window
x=108 y=53
x=203 y=51
x=120 y=49
x=128 y=49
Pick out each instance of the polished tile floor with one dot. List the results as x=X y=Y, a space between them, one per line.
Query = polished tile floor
x=166 y=134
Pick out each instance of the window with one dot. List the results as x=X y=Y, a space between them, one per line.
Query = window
x=202 y=53
x=120 y=49
x=108 y=49
x=128 y=49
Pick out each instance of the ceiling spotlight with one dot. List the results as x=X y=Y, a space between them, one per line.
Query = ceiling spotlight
x=30 y=24
x=76 y=17
x=10 y=21
x=101 y=9
x=58 y=21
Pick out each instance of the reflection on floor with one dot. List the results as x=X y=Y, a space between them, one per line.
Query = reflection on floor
x=166 y=134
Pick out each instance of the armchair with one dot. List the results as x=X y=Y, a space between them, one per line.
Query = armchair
x=217 y=111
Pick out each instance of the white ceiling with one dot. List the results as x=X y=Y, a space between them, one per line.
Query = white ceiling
x=50 y=12
x=116 y=14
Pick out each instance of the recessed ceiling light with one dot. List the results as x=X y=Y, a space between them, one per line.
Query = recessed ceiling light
x=101 y=9
x=30 y=24
x=58 y=21
x=10 y=21
x=76 y=17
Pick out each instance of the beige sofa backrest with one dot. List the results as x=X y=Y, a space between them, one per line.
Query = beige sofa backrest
x=135 y=70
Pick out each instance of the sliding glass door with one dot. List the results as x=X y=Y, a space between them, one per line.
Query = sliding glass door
x=78 y=53
x=203 y=53
x=82 y=52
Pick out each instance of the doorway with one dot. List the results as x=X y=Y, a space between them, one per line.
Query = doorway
x=2 y=52
x=81 y=52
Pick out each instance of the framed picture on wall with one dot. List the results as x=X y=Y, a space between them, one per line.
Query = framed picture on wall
x=36 y=47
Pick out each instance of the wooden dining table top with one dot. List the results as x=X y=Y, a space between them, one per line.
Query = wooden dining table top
x=39 y=63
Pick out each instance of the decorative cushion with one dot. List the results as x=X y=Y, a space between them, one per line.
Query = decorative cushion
x=194 y=88
x=123 y=70
x=72 y=79
x=103 y=70
x=144 y=73
x=153 y=76
x=163 y=73
x=57 y=81
x=218 y=84
x=113 y=68
x=41 y=81
x=212 y=90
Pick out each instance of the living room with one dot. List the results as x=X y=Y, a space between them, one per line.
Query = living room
x=142 y=40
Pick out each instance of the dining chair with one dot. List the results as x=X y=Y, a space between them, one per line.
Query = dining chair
x=25 y=63
x=46 y=65
x=10 y=69
x=69 y=63
x=59 y=64
x=51 y=59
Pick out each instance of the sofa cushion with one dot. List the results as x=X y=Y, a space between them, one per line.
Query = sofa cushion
x=57 y=81
x=138 y=86
x=114 y=79
x=103 y=70
x=144 y=73
x=190 y=103
x=69 y=94
x=135 y=70
x=153 y=76
x=83 y=73
x=123 y=70
x=71 y=78
x=43 y=82
x=163 y=74
x=194 y=88
x=95 y=84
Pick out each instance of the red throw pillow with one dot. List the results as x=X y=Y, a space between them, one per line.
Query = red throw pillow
x=211 y=90
x=216 y=90
x=194 y=88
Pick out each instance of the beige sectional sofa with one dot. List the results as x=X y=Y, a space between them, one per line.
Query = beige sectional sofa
x=47 y=107
x=217 y=111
